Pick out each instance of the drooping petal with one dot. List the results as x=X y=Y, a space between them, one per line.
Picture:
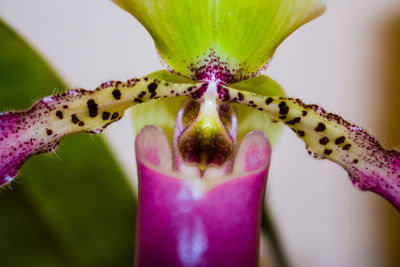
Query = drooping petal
x=249 y=118
x=40 y=129
x=369 y=165
x=193 y=221
x=161 y=113
x=230 y=39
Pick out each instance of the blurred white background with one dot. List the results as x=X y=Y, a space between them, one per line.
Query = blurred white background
x=348 y=61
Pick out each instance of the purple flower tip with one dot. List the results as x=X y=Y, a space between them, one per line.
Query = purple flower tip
x=17 y=145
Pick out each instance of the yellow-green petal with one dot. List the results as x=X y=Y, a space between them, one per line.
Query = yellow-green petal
x=41 y=128
x=248 y=117
x=369 y=165
x=162 y=112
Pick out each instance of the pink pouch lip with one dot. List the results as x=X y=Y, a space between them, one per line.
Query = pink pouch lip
x=194 y=221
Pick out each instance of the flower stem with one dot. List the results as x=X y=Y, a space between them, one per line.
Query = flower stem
x=268 y=227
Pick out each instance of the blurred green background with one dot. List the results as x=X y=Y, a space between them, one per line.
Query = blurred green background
x=72 y=208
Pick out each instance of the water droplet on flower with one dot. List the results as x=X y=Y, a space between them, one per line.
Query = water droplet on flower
x=7 y=179
x=47 y=100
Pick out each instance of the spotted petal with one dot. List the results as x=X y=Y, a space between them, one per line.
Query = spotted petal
x=41 y=128
x=248 y=117
x=231 y=39
x=369 y=165
x=161 y=113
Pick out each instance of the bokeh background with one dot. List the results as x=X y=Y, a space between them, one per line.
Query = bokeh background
x=348 y=61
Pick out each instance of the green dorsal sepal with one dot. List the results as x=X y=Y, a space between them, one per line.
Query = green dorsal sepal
x=231 y=40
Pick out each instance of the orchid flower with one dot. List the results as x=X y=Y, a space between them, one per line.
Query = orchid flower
x=214 y=52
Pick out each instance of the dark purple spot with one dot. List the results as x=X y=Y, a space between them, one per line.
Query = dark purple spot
x=301 y=133
x=114 y=115
x=81 y=123
x=324 y=140
x=346 y=147
x=59 y=115
x=320 y=127
x=355 y=161
x=241 y=96
x=116 y=94
x=339 y=140
x=268 y=101
x=223 y=93
x=152 y=87
x=74 y=118
x=294 y=121
x=49 y=132
x=105 y=115
x=283 y=108
x=200 y=91
x=328 y=152
x=138 y=100
x=93 y=108
x=304 y=113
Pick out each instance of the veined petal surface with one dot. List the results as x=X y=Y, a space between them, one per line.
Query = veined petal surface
x=231 y=39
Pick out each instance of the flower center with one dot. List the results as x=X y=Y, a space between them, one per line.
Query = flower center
x=205 y=132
